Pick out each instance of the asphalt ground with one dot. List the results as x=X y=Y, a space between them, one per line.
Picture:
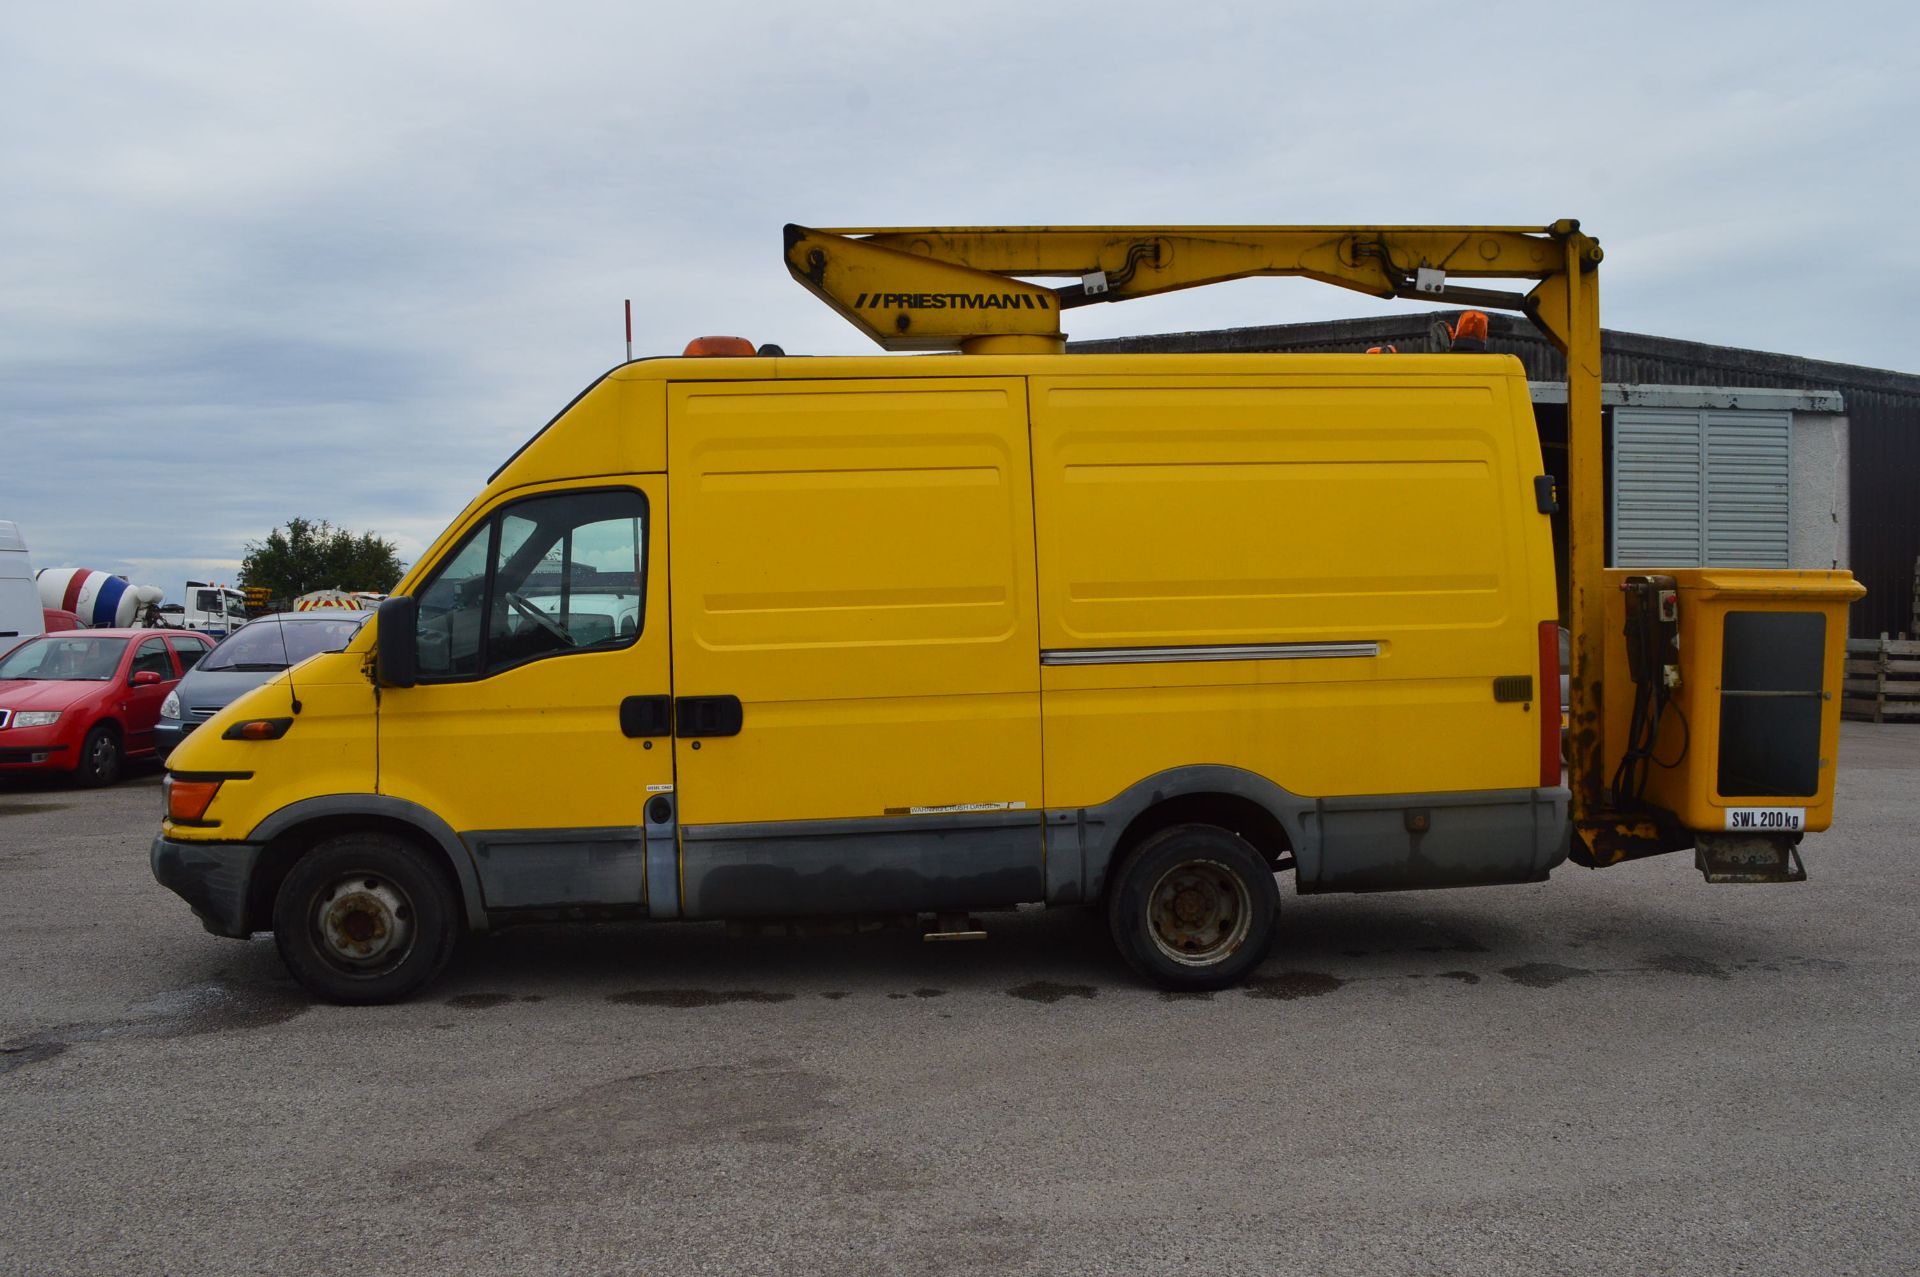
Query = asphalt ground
x=1625 y=1071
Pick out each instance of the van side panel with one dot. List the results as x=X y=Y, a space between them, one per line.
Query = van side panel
x=1315 y=578
x=854 y=561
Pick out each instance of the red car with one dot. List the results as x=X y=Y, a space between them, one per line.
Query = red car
x=84 y=701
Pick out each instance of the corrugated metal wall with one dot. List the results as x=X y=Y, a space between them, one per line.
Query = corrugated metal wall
x=1883 y=473
x=1883 y=416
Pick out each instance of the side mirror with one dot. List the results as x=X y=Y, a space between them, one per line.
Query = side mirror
x=398 y=641
x=146 y=678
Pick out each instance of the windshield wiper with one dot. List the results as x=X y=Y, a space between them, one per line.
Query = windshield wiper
x=255 y=668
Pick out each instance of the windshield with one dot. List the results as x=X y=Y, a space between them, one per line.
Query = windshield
x=274 y=645
x=65 y=659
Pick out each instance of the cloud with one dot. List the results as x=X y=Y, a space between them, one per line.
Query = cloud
x=340 y=260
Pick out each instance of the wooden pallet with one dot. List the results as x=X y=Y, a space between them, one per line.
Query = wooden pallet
x=1882 y=679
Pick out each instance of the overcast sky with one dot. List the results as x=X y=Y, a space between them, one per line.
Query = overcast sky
x=338 y=260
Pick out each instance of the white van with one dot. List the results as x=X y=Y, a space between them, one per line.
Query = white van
x=20 y=616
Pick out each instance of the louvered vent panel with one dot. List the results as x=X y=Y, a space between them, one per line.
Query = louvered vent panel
x=1748 y=463
x=1658 y=476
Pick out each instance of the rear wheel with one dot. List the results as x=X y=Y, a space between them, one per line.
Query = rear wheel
x=1193 y=907
x=365 y=918
x=100 y=758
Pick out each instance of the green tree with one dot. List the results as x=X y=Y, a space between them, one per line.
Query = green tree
x=305 y=556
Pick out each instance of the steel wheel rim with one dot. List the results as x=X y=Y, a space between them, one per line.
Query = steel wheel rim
x=363 y=924
x=1199 y=912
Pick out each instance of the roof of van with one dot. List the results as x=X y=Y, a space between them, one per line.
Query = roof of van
x=802 y=367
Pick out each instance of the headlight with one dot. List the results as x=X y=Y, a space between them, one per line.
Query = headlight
x=170 y=708
x=37 y=718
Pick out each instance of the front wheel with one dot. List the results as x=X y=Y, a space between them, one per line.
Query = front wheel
x=365 y=918
x=1193 y=907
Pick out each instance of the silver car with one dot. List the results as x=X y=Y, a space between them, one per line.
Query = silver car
x=246 y=658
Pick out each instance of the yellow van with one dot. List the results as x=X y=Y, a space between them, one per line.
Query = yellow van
x=760 y=637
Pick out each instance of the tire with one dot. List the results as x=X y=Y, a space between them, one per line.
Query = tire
x=1193 y=907
x=101 y=758
x=365 y=918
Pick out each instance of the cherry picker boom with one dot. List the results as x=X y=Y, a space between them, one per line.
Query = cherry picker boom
x=1732 y=674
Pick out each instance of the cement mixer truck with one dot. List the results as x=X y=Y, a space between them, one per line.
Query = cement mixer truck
x=99 y=599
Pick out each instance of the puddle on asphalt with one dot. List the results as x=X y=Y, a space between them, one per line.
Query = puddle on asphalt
x=25 y=809
x=13 y=1057
x=479 y=1001
x=605 y=1125
x=1288 y=985
x=208 y=1008
x=1048 y=992
x=1686 y=964
x=681 y=999
x=176 y=1013
x=1543 y=975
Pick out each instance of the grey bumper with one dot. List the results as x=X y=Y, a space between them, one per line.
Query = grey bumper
x=213 y=877
x=167 y=735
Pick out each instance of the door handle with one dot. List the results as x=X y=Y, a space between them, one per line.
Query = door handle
x=646 y=716
x=707 y=716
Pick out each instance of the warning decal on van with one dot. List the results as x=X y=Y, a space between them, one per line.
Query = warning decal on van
x=954 y=807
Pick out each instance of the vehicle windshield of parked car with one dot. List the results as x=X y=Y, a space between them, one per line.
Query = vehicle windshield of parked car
x=272 y=645
x=68 y=659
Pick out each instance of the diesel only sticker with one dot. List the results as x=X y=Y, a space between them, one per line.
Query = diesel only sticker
x=1766 y=820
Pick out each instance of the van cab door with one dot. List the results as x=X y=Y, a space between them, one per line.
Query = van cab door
x=539 y=728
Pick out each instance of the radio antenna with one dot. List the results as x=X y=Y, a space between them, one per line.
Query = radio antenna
x=292 y=692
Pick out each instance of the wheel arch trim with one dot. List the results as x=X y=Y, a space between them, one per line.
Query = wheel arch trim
x=1082 y=842
x=399 y=810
